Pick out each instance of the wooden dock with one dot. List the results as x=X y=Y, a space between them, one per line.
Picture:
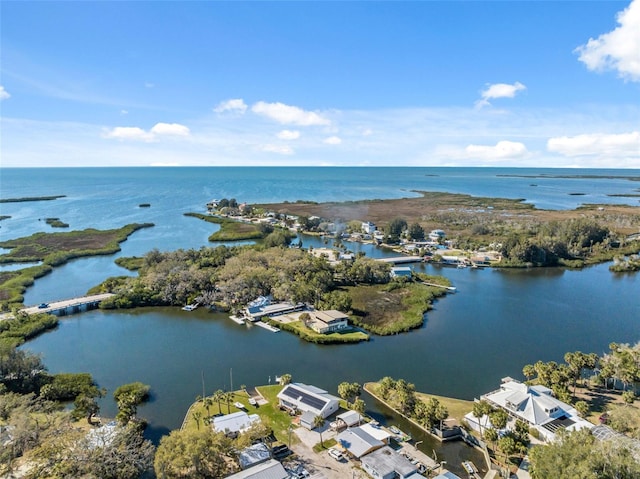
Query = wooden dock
x=266 y=326
x=401 y=259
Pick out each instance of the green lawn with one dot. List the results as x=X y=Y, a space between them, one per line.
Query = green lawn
x=308 y=334
x=270 y=414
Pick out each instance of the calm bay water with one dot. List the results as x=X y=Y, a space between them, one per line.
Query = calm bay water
x=497 y=322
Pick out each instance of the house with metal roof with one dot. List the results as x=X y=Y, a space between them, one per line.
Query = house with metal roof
x=357 y=442
x=537 y=406
x=328 y=321
x=300 y=397
x=234 y=423
x=270 y=469
x=385 y=463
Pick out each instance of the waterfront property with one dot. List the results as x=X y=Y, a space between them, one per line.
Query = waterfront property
x=234 y=423
x=401 y=272
x=537 y=406
x=349 y=418
x=325 y=322
x=385 y=463
x=256 y=313
x=357 y=442
x=298 y=397
x=270 y=469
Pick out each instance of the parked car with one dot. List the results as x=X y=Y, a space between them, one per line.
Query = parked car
x=337 y=455
x=43 y=305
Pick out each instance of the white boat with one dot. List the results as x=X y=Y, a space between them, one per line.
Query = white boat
x=253 y=402
x=190 y=307
x=239 y=405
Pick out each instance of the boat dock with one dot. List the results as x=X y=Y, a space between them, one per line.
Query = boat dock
x=236 y=319
x=448 y=288
x=266 y=326
x=401 y=259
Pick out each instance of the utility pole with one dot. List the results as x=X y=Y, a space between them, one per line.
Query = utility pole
x=202 y=375
x=231 y=378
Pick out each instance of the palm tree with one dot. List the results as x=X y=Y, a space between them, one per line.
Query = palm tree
x=228 y=397
x=318 y=422
x=197 y=416
x=218 y=396
x=208 y=402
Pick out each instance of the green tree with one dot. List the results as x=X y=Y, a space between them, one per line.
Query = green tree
x=318 y=423
x=218 y=397
x=128 y=397
x=578 y=455
x=285 y=379
x=416 y=232
x=359 y=406
x=188 y=454
x=480 y=409
x=349 y=391
x=583 y=408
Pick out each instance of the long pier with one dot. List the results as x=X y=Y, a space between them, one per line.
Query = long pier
x=401 y=259
x=69 y=306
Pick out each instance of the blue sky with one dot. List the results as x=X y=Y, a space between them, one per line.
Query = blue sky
x=387 y=83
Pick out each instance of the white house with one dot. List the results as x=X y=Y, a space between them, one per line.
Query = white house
x=305 y=398
x=358 y=442
x=401 y=271
x=368 y=227
x=234 y=423
x=437 y=235
x=537 y=406
x=385 y=463
x=329 y=321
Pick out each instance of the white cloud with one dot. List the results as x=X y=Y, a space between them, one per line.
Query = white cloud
x=235 y=105
x=169 y=129
x=618 y=49
x=281 y=149
x=503 y=150
x=332 y=140
x=128 y=133
x=289 y=115
x=611 y=145
x=134 y=133
x=499 y=90
x=124 y=112
x=289 y=135
x=4 y=94
x=149 y=84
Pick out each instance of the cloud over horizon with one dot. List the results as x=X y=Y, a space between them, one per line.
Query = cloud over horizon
x=4 y=94
x=158 y=130
x=611 y=145
x=503 y=150
x=617 y=50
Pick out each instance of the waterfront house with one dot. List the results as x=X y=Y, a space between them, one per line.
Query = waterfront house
x=349 y=418
x=257 y=312
x=437 y=235
x=385 y=463
x=537 y=406
x=401 y=272
x=270 y=469
x=330 y=321
x=358 y=442
x=298 y=397
x=368 y=227
x=234 y=423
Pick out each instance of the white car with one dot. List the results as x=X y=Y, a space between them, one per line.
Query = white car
x=337 y=455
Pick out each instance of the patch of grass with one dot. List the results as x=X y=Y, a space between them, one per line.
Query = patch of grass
x=230 y=230
x=326 y=444
x=56 y=223
x=132 y=263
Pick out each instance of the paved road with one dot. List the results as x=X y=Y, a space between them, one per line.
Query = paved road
x=66 y=303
